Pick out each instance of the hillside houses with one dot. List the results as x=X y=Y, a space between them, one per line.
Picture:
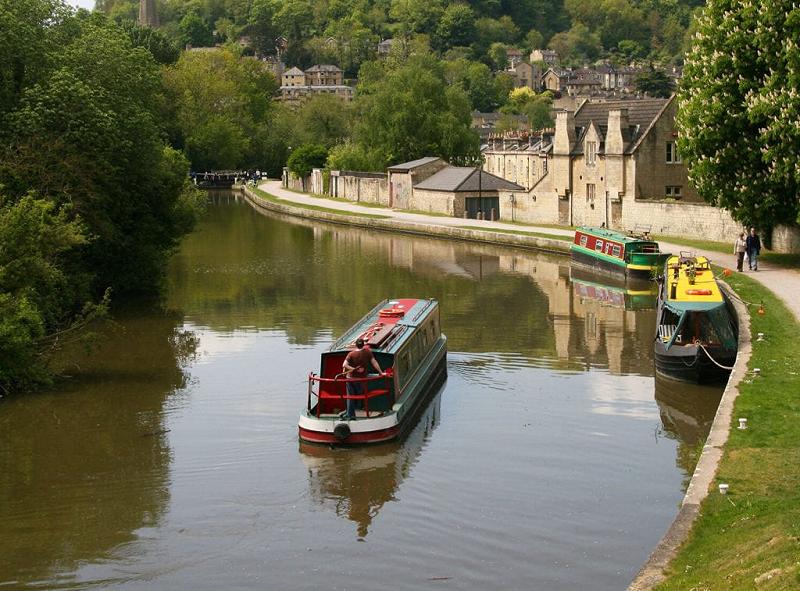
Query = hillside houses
x=297 y=84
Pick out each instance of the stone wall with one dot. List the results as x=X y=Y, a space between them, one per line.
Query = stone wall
x=680 y=219
x=534 y=207
x=786 y=239
x=435 y=202
x=360 y=187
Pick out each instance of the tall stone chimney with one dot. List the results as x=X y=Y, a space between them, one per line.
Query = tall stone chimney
x=617 y=124
x=615 y=153
x=565 y=132
x=563 y=142
x=148 y=15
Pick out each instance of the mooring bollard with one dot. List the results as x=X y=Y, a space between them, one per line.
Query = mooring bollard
x=742 y=424
x=723 y=489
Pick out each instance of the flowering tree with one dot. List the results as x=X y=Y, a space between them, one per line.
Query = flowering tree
x=739 y=109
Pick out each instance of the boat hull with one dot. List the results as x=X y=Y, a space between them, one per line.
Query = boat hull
x=691 y=364
x=617 y=269
x=388 y=426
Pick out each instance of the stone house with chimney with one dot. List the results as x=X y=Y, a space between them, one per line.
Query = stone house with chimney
x=548 y=56
x=555 y=79
x=612 y=162
x=519 y=156
x=528 y=76
x=297 y=85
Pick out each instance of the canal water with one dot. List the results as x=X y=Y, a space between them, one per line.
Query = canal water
x=550 y=458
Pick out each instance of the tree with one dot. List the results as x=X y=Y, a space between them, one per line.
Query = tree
x=163 y=50
x=498 y=55
x=306 y=158
x=476 y=80
x=407 y=111
x=534 y=40
x=221 y=110
x=536 y=107
x=456 y=28
x=654 y=83
x=92 y=199
x=739 y=116
x=195 y=31
x=576 y=45
x=350 y=156
x=322 y=119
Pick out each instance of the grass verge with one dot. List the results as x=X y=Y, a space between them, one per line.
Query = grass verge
x=273 y=199
x=750 y=538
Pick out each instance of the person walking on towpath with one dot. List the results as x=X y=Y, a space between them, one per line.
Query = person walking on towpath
x=739 y=248
x=753 y=249
x=355 y=366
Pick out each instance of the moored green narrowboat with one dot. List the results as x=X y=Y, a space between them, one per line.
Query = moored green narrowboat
x=632 y=255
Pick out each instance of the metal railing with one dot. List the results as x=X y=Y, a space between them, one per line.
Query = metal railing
x=315 y=382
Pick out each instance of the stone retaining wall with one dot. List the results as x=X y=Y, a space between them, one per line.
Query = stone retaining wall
x=689 y=220
x=419 y=229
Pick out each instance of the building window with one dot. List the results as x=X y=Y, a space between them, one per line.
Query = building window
x=591 y=153
x=544 y=166
x=590 y=193
x=673 y=191
x=672 y=153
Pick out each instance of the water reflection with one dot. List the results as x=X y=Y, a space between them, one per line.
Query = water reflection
x=84 y=467
x=268 y=270
x=150 y=472
x=687 y=412
x=357 y=482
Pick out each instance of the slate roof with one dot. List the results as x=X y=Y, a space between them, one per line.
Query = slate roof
x=294 y=72
x=405 y=167
x=456 y=179
x=642 y=113
x=323 y=68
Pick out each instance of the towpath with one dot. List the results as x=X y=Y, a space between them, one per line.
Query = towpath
x=783 y=282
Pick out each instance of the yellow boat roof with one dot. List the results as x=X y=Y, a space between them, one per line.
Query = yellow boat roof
x=704 y=289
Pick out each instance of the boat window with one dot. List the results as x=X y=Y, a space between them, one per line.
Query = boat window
x=584 y=240
x=598 y=246
x=617 y=251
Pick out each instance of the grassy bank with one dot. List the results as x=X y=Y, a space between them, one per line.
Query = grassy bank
x=273 y=199
x=519 y=233
x=750 y=539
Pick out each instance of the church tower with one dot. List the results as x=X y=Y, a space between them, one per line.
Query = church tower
x=148 y=16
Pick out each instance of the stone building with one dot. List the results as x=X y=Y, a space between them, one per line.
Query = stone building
x=293 y=77
x=583 y=82
x=518 y=156
x=514 y=57
x=548 y=56
x=148 y=13
x=324 y=75
x=528 y=76
x=620 y=79
x=297 y=85
x=403 y=177
x=461 y=191
x=555 y=79
x=612 y=163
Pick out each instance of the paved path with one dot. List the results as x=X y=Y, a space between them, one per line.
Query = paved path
x=783 y=282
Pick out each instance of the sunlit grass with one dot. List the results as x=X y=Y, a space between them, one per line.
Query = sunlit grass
x=273 y=199
x=753 y=533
